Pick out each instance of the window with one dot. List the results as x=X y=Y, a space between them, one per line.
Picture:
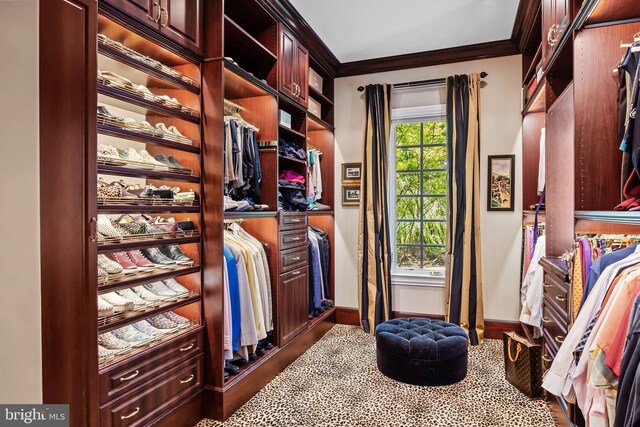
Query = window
x=418 y=191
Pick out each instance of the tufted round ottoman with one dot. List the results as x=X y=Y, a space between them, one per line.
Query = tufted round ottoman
x=422 y=351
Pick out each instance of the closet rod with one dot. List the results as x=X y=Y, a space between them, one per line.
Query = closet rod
x=418 y=83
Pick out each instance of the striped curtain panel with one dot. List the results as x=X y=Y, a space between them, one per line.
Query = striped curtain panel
x=463 y=299
x=374 y=261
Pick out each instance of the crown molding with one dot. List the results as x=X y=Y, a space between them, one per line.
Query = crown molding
x=429 y=58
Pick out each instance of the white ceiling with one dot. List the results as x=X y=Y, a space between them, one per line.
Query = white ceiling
x=364 y=29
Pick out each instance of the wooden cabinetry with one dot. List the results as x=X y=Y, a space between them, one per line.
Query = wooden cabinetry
x=556 y=17
x=294 y=288
x=179 y=20
x=293 y=64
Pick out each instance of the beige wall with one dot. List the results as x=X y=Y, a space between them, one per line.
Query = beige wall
x=20 y=355
x=500 y=134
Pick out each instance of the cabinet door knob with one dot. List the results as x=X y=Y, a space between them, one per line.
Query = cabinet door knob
x=155 y=12
x=187 y=348
x=132 y=414
x=130 y=377
x=164 y=14
x=187 y=380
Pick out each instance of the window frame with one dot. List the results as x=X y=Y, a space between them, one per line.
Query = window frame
x=428 y=277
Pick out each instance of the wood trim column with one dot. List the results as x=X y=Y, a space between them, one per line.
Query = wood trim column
x=68 y=99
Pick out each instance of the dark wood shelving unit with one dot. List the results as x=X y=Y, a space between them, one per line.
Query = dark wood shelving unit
x=135 y=316
x=125 y=100
x=127 y=60
x=146 y=139
x=319 y=96
x=316 y=123
x=146 y=243
x=241 y=39
x=139 y=279
x=251 y=366
x=149 y=174
x=114 y=209
x=291 y=159
x=536 y=102
x=290 y=131
x=262 y=88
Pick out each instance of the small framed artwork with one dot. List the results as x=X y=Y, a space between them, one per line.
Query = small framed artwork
x=501 y=176
x=351 y=195
x=351 y=173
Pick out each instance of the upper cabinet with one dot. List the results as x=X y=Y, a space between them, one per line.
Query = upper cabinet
x=556 y=18
x=293 y=64
x=178 y=20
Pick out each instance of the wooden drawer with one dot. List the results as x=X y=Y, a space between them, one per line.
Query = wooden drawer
x=557 y=291
x=554 y=326
x=294 y=292
x=120 y=378
x=293 y=220
x=293 y=239
x=293 y=259
x=547 y=357
x=138 y=409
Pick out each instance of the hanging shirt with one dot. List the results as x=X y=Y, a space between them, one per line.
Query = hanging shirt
x=531 y=292
x=557 y=379
x=234 y=297
x=541 y=162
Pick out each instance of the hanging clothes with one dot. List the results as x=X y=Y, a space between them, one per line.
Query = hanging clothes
x=242 y=168
x=248 y=285
x=591 y=367
x=531 y=292
x=319 y=271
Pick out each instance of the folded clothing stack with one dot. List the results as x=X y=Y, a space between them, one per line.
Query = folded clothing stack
x=291 y=149
x=245 y=205
x=291 y=178
x=291 y=200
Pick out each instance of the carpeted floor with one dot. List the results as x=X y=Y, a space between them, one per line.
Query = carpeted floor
x=336 y=383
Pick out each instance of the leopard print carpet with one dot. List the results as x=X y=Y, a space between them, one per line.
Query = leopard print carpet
x=336 y=383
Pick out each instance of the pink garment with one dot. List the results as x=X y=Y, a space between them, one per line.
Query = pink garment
x=614 y=356
x=292 y=176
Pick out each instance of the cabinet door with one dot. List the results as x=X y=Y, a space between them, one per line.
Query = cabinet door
x=145 y=11
x=294 y=306
x=286 y=64
x=181 y=21
x=302 y=74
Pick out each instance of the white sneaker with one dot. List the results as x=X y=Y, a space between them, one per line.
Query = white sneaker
x=138 y=303
x=176 y=287
x=109 y=155
x=148 y=158
x=104 y=308
x=119 y=303
x=149 y=297
x=131 y=155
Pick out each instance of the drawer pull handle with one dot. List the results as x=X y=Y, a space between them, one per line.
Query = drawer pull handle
x=547 y=358
x=295 y=239
x=296 y=272
x=130 y=377
x=561 y=298
x=187 y=348
x=546 y=320
x=133 y=414
x=295 y=220
x=559 y=339
x=546 y=285
x=295 y=258
x=188 y=380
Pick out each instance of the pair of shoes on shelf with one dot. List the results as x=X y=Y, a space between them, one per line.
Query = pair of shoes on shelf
x=169 y=256
x=110 y=155
x=121 y=340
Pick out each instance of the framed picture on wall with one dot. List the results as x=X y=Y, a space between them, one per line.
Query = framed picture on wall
x=501 y=185
x=351 y=195
x=351 y=173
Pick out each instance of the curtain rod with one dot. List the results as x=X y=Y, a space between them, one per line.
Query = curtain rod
x=421 y=83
